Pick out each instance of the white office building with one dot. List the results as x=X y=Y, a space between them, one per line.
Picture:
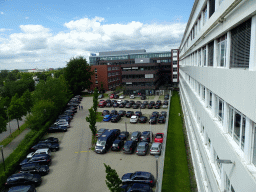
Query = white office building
x=217 y=78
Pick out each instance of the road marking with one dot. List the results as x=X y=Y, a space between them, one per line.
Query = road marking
x=82 y=151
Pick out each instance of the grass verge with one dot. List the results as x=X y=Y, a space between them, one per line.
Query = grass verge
x=14 y=134
x=176 y=172
x=99 y=117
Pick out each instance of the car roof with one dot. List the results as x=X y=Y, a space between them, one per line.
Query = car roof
x=27 y=165
x=142 y=143
x=142 y=174
x=117 y=141
x=145 y=132
x=134 y=117
x=20 y=188
x=42 y=150
x=155 y=144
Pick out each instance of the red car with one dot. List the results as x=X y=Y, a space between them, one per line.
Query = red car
x=112 y=96
x=102 y=103
x=159 y=138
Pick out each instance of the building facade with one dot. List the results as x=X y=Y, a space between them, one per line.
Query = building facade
x=217 y=78
x=142 y=72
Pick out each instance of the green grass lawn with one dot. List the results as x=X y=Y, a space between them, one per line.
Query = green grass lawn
x=176 y=173
x=99 y=117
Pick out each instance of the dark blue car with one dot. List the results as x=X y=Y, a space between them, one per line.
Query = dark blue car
x=51 y=146
x=23 y=188
x=39 y=158
x=23 y=179
x=139 y=177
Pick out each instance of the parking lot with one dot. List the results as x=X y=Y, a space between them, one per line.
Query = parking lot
x=76 y=168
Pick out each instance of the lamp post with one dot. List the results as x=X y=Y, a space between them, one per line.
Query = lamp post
x=8 y=120
x=2 y=155
x=150 y=131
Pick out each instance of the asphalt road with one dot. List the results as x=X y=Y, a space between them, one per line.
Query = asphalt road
x=76 y=168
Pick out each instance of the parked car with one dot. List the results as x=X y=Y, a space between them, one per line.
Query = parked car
x=159 y=102
x=138 y=102
x=150 y=106
x=129 y=146
x=115 y=105
x=128 y=105
x=143 y=106
x=157 y=106
x=129 y=113
x=145 y=136
x=135 y=106
x=116 y=132
x=122 y=113
x=135 y=136
x=123 y=135
x=57 y=128
x=159 y=138
x=109 y=104
x=39 y=151
x=142 y=148
x=152 y=103
x=166 y=97
x=102 y=104
x=100 y=96
x=23 y=188
x=111 y=96
x=165 y=106
x=155 y=113
x=139 y=177
x=23 y=179
x=134 y=119
x=122 y=105
x=126 y=101
x=50 y=140
x=39 y=158
x=132 y=102
x=161 y=119
x=156 y=149
x=105 y=141
x=116 y=96
x=107 y=118
x=51 y=146
x=115 y=118
x=145 y=102
x=35 y=168
x=143 y=119
x=152 y=120
x=105 y=112
x=143 y=97
x=121 y=97
x=113 y=112
x=62 y=122
x=163 y=113
x=132 y=97
x=138 y=113
x=165 y=103
x=117 y=145
x=138 y=187
x=108 y=101
x=100 y=131
x=119 y=101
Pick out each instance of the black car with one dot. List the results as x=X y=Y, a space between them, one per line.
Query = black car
x=108 y=101
x=74 y=109
x=116 y=132
x=43 y=159
x=152 y=103
x=122 y=113
x=113 y=112
x=143 y=106
x=122 y=105
x=100 y=131
x=136 y=136
x=23 y=178
x=105 y=112
x=132 y=102
x=109 y=104
x=117 y=145
x=156 y=114
x=145 y=136
x=126 y=101
x=157 y=106
x=159 y=102
x=138 y=102
x=129 y=146
x=138 y=113
x=143 y=97
x=123 y=135
x=115 y=105
x=152 y=120
x=150 y=106
x=57 y=128
x=128 y=105
x=161 y=119
x=139 y=177
x=64 y=117
x=135 y=106
x=51 y=146
x=165 y=103
x=22 y=188
x=129 y=113
x=116 y=96
x=50 y=140
x=138 y=187
x=145 y=103
x=143 y=119
x=115 y=118
x=142 y=148
x=35 y=168
x=166 y=97
x=163 y=113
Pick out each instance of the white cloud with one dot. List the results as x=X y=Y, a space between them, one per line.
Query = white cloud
x=36 y=44
x=2 y=13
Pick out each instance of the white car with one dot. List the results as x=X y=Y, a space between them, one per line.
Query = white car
x=39 y=151
x=121 y=97
x=119 y=101
x=134 y=119
x=62 y=122
x=165 y=106
x=132 y=97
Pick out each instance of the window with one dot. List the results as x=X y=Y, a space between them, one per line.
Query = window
x=220 y=109
x=211 y=7
x=210 y=53
x=205 y=15
x=175 y=76
x=199 y=58
x=222 y=46
x=204 y=90
x=237 y=124
x=175 y=69
x=228 y=186
x=240 y=45
x=109 y=68
x=204 y=56
x=254 y=147
x=95 y=70
x=210 y=100
x=96 y=76
x=199 y=23
x=96 y=82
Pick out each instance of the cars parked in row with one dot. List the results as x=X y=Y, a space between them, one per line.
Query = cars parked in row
x=35 y=168
x=124 y=135
x=156 y=149
x=23 y=179
x=142 y=148
x=129 y=147
x=139 y=177
x=134 y=119
x=117 y=145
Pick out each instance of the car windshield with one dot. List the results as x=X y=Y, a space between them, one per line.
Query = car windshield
x=158 y=136
x=101 y=143
x=154 y=148
x=122 y=133
x=115 y=145
x=126 y=146
x=140 y=147
x=134 y=134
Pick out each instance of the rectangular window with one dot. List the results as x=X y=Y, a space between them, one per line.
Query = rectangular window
x=199 y=58
x=210 y=53
x=205 y=15
x=254 y=147
x=220 y=109
x=222 y=47
x=212 y=7
x=199 y=23
x=210 y=100
x=204 y=56
x=96 y=82
x=204 y=90
x=95 y=70
x=240 y=45
x=96 y=76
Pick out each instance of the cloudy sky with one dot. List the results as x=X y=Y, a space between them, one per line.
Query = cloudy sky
x=47 y=33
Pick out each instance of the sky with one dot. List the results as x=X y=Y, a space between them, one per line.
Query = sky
x=48 y=33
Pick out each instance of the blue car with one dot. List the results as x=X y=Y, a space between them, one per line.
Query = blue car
x=107 y=118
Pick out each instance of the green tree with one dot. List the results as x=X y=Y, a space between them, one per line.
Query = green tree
x=4 y=74
x=78 y=75
x=95 y=99
x=3 y=123
x=27 y=100
x=4 y=103
x=113 y=181
x=16 y=109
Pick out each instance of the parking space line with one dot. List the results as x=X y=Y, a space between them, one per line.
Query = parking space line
x=82 y=151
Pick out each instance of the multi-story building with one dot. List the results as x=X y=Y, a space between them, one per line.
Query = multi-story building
x=142 y=72
x=218 y=93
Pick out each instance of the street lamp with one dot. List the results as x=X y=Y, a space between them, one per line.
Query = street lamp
x=2 y=155
x=8 y=120
x=156 y=156
x=150 y=131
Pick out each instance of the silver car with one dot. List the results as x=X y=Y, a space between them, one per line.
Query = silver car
x=142 y=148
x=156 y=149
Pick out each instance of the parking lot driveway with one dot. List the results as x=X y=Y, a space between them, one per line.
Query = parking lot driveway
x=76 y=168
